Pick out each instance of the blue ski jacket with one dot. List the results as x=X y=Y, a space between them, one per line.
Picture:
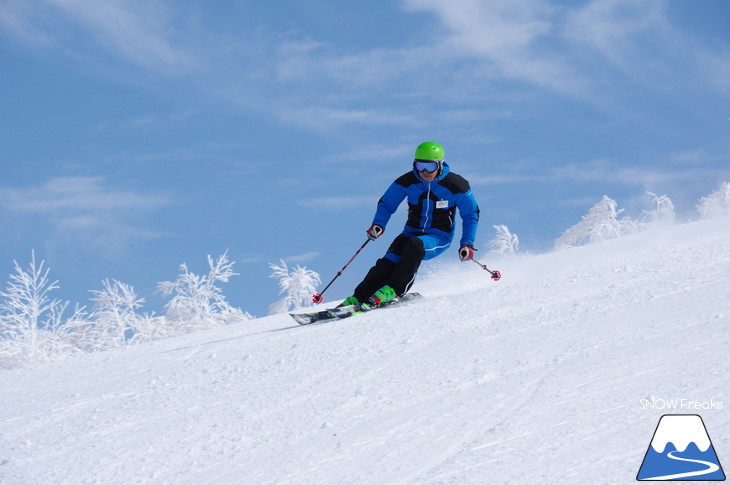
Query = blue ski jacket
x=431 y=205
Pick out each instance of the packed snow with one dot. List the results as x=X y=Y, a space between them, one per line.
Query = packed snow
x=558 y=373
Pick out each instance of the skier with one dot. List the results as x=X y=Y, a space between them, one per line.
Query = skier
x=434 y=193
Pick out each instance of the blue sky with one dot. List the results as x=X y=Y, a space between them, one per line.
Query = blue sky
x=140 y=135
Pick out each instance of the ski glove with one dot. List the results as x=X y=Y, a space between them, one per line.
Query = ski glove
x=375 y=232
x=466 y=252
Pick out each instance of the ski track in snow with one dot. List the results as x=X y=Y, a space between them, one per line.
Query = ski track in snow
x=533 y=379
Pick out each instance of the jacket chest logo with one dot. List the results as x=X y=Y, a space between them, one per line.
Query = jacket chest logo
x=442 y=204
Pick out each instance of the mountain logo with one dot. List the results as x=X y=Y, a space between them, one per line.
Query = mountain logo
x=681 y=450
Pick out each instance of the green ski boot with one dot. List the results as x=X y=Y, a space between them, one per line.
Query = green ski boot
x=383 y=295
x=349 y=301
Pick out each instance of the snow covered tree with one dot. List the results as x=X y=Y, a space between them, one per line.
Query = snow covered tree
x=601 y=223
x=113 y=321
x=662 y=211
x=506 y=243
x=299 y=285
x=716 y=204
x=198 y=303
x=31 y=322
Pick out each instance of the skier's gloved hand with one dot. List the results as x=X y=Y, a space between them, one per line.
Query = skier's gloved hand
x=466 y=252
x=375 y=232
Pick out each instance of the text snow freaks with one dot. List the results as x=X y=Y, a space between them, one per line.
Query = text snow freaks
x=679 y=404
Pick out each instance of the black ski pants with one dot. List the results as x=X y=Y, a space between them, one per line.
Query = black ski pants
x=399 y=276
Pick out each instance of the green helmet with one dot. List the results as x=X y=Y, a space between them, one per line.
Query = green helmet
x=430 y=151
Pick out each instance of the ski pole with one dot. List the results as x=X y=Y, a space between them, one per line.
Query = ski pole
x=317 y=297
x=496 y=275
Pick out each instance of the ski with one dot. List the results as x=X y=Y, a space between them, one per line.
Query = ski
x=339 y=313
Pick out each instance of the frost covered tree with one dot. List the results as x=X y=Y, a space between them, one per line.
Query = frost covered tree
x=113 y=320
x=662 y=211
x=299 y=284
x=31 y=322
x=197 y=302
x=115 y=310
x=505 y=243
x=717 y=204
x=601 y=223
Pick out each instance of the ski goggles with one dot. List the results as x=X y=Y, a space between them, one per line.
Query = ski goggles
x=426 y=165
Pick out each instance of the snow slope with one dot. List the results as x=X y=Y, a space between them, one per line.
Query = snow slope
x=538 y=378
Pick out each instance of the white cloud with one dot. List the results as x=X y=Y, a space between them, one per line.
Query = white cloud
x=297 y=79
x=85 y=194
x=16 y=22
x=301 y=258
x=713 y=68
x=585 y=51
x=322 y=117
x=84 y=208
x=338 y=203
x=491 y=28
x=574 y=50
x=148 y=122
x=622 y=32
x=509 y=35
x=136 y=32
x=590 y=171
x=696 y=157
